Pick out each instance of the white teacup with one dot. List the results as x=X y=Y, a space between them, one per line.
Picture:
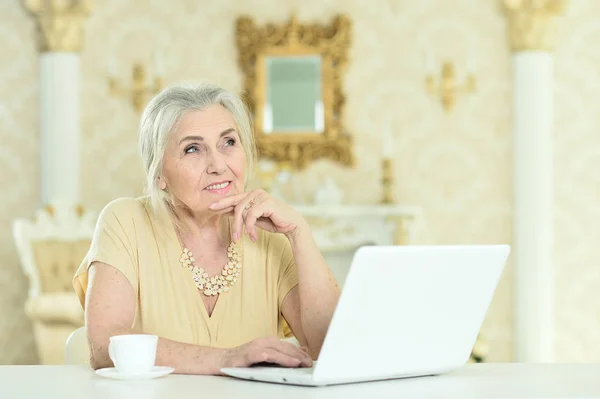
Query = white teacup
x=133 y=353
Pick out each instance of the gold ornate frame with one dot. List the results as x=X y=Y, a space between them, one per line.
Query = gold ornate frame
x=331 y=43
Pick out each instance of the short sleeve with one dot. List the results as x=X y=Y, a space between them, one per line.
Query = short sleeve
x=288 y=276
x=113 y=243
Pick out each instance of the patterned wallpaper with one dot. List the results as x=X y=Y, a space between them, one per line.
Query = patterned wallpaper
x=18 y=171
x=577 y=171
x=456 y=166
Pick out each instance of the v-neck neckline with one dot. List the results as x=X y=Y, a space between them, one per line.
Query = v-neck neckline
x=209 y=319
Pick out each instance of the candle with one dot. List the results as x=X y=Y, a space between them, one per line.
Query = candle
x=387 y=142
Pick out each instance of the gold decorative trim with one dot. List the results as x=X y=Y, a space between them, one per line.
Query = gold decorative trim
x=532 y=23
x=331 y=43
x=59 y=23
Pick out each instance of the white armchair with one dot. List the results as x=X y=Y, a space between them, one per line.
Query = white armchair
x=51 y=247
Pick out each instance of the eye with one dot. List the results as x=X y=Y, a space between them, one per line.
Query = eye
x=230 y=142
x=191 y=149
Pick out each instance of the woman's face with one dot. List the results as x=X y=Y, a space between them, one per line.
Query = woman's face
x=204 y=160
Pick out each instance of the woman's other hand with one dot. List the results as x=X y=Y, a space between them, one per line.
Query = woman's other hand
x=266 y=350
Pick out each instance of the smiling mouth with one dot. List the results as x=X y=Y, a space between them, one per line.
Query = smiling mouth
x=218 y=186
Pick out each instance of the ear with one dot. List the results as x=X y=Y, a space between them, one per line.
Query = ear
x=162 y=183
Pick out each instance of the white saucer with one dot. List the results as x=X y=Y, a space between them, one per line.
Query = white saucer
x=154 y=372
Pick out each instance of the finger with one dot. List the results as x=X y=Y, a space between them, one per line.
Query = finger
x=238 y=218
x=250 y=220
x=251 y=216
x=241 y=210
x=270 y=355
x=228 y=201
x=238 y=214
x=294 y=351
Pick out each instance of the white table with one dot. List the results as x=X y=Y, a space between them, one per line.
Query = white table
x=471 y=381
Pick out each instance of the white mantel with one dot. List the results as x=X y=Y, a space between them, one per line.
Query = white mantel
x=340 y=229
x=344 y=227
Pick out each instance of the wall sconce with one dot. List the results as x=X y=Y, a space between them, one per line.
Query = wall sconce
x=447 y=87
x=138 y=91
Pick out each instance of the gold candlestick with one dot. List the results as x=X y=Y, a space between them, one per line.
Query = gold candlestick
x=387 y=181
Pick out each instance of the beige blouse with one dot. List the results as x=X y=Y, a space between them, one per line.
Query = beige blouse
x=144 y=247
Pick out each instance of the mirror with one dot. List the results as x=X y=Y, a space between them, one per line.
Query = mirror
x=293 y=87
x=294 y=101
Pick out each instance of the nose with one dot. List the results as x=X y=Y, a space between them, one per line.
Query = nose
x=216 y=163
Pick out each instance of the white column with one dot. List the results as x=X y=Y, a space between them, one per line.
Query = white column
x=60 y=127
x=531 y=31
x=533 y=206
x=60 y=39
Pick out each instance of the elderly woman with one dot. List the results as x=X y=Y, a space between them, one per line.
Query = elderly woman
x=217 y=272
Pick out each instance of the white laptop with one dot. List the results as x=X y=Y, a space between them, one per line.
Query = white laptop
x=404 y=311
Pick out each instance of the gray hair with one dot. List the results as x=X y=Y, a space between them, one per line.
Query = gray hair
x=161 y=118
